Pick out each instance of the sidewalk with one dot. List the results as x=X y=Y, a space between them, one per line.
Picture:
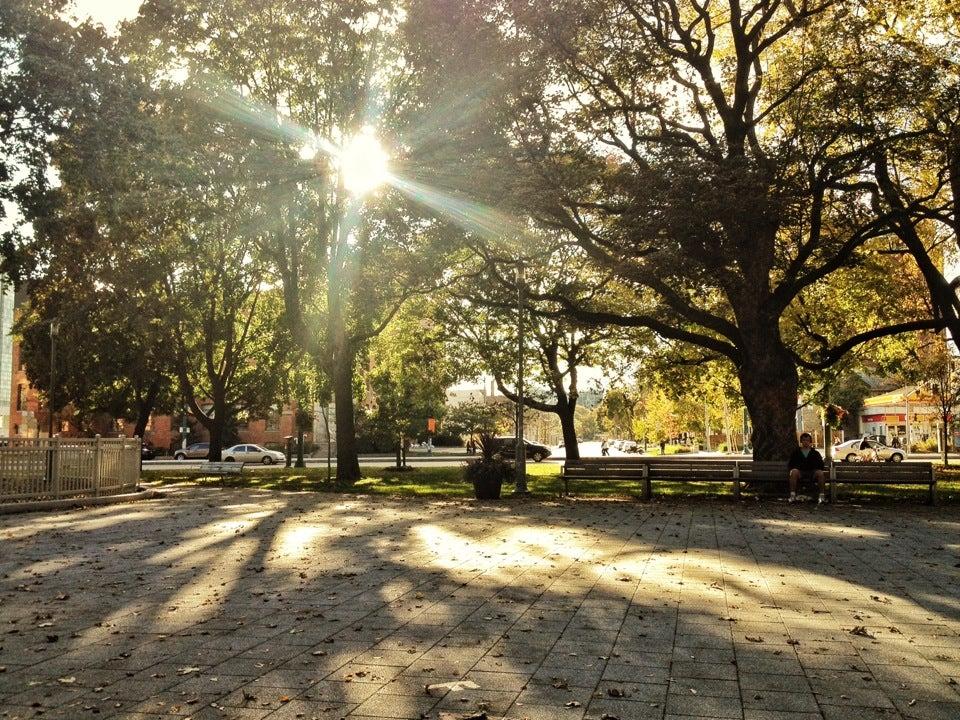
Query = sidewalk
x=248 y=604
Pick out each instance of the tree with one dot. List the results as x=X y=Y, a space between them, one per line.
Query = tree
x=56 y=78
x=936 y=368
x=48 y=74
x=323 y=75
x=480 y=421
x=706 y=158
x=617 y=412
x=115 y=358
x=916 y=180
x=408 y=380
x=483 y=312
x=151 y=208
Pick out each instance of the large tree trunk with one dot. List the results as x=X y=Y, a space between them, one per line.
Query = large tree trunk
x=769 y=383
x=145 y=407
x=565 y=411
x=348 y=463
x=215 y=427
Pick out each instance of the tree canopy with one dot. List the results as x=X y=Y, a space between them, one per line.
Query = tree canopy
x=752 y=183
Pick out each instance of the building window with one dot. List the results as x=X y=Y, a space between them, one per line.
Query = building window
x=19 y=397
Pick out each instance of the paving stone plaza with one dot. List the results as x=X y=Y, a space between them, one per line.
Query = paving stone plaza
x=243 y=604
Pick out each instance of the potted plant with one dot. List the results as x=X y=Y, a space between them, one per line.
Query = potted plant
x=488 y=473
x=479 y=422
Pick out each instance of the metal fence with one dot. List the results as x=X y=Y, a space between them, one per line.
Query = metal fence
x=44 y=469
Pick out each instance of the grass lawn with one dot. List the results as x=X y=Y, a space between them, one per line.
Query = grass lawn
x=543 y=480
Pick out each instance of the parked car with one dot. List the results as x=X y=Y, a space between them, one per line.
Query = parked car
x=506 y=447
x=147 y=452
x=252 y=453
x=865 y=449
x=194 y=451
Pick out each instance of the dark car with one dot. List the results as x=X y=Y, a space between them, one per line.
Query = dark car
x=147 y=452
x=197 y=450
x=506 y=447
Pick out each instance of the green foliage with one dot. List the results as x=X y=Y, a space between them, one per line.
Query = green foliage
x=112 y=357
x=542 y=480
x=834 y=416
x=480 y=421
x=616 y=411
x=716 y=183
x=586 y=422
x=408 y=379
x=924 y=446
x=51 y=74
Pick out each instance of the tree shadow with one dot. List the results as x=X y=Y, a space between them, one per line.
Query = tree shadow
x=294 y=602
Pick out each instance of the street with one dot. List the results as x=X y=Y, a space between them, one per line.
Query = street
x=451 y=457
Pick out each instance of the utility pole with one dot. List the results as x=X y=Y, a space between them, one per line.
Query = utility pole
x=520 y=487
x=53 y=373
x=746 y=430
x=706 y=425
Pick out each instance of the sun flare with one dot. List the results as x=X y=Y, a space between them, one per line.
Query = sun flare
x=363 y=163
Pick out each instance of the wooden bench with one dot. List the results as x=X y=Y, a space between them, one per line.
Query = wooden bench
x=220 y=469
x=647 y=470
x=883 y=473
x=603 y=468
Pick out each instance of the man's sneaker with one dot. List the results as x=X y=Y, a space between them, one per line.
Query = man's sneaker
x=821 y=500
x=792 y=499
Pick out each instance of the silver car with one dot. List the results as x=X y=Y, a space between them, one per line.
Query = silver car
x=866 y=450
x=196 y=450
x=252 y=453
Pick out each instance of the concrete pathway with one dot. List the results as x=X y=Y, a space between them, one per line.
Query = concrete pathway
x=248 y=605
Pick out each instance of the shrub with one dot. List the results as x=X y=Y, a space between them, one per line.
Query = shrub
x=443 y=439
x=488 y=470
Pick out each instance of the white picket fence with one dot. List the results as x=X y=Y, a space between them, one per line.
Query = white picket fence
x=43 y=469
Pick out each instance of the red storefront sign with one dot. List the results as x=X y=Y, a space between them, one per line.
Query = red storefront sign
x=882 y=417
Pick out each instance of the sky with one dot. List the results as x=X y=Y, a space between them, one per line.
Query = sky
x=107 y=12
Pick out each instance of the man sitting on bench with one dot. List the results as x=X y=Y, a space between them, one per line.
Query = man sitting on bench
x=806 y=463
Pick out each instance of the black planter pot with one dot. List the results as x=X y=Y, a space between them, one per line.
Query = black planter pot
x=488 y=476
x=487 y=489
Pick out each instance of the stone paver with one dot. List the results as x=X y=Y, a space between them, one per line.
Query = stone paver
x=265 y=606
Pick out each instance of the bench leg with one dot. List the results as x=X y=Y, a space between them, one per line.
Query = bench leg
x=736 y=489
x=933 y=493
x=647 y=491
x=833 y=491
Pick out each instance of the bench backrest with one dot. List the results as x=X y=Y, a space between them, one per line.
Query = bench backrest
x=911 y=472
x=747 y=470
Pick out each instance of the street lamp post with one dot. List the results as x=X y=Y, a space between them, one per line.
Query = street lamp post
x=53 y=359
x=520 y=486
x=746 y=430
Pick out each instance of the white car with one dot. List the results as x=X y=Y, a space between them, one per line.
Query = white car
x=864 y=450
x=252 y=453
